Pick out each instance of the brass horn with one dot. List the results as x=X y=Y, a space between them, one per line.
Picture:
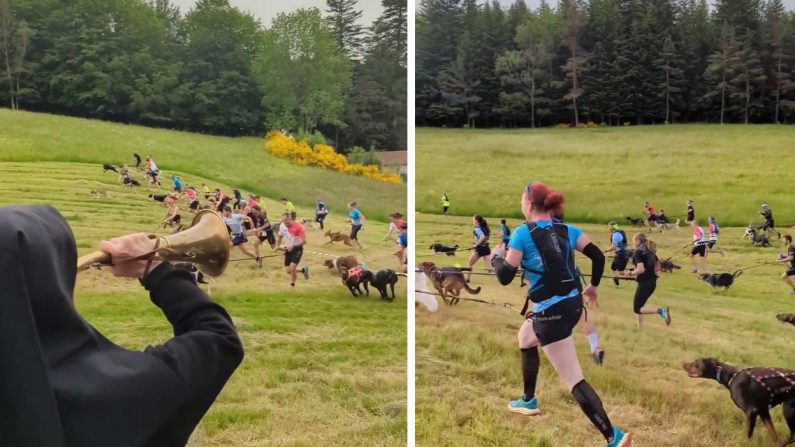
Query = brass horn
x=206 y=243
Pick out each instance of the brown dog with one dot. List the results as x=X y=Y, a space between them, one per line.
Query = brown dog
x=338 y=236
x=448 y=281
x=346 y=262
x=754 y=390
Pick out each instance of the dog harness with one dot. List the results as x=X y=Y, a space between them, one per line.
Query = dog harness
x=355 y=272
x=766 y=377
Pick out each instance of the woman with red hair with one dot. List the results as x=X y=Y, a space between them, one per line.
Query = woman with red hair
x=544 y=249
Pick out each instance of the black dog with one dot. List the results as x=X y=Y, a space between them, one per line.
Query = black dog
x=635 y=222
x=355 y=277
x=754 y=390
x=786 y=318
x=158 y=197
x=382 y=279
x=668 y=266
x=724 y=280
x=757 y=239
x=106 y=167
x=130 y=182
x=439 y=248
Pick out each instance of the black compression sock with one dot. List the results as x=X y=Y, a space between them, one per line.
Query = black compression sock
x=530 y=365
x=592 y=407
x=615 y=280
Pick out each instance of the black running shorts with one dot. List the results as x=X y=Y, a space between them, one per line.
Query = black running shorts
x=557 y=322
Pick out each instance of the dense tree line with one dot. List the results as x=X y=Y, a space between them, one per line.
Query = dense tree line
x=607 y=61
x=214 y=69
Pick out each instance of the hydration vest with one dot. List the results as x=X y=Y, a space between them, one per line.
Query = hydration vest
x=560 y=275
x=623 y=245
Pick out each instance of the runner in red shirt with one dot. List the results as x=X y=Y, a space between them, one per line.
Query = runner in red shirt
x=293 y=249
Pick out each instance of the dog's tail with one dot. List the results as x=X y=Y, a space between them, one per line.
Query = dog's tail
x=786 y=318
x=470 y=289
x=431 y=247
x=737 y=273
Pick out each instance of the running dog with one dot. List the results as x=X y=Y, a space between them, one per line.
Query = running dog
x=347 y=262
x=108 y=167
x=668 y=266
x=724 y=280
x=448 y=281
x=636 y=222
x=356 y=277
x=130 y=182
x=669 y=226
x=754 y=390
x=786 y=318
x=382 y=279
x=158 y=197
x=338 y=236
x=757 y=239
x=310 y=223
x=439 y=248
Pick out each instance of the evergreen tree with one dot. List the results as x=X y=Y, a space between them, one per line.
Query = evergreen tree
x=344 y=20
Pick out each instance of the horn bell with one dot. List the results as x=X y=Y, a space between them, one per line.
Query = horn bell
x=206 y=243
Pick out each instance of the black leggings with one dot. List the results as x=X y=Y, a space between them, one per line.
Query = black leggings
x=642 y=294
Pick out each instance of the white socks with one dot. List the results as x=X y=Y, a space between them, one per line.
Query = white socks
x=593 y=339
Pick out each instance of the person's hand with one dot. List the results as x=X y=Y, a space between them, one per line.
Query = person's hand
x=288 y=248
x=498 y=252
x=591 y=296
x=122 y=249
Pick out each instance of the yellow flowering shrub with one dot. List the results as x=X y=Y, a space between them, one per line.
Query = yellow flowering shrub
x=324 y=156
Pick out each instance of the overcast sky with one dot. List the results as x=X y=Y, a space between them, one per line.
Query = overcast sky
x=266 y=10
x=789 y=4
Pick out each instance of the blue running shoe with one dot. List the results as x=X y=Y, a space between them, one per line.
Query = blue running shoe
x=665 y=313
x=620 y=439
x=525 y=407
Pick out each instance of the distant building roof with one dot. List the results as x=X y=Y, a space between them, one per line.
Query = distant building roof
x=392 y=158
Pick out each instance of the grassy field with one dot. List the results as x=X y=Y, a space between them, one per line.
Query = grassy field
x=321 y=367
x=237 y=162
x=468 y=364
x=608 y=173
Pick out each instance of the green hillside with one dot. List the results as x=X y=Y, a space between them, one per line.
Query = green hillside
x=608 y=173
x=237 y=162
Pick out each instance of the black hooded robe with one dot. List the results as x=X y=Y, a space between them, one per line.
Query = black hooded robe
x=63 y=384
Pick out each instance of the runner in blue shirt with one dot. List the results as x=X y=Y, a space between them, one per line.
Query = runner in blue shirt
x=544 y=249
x=506 y=233
x=357 y=222
x=481 y=249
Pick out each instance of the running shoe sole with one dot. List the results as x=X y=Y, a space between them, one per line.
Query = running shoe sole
x=667 y=316
x=524 y=411
x=626 y=442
